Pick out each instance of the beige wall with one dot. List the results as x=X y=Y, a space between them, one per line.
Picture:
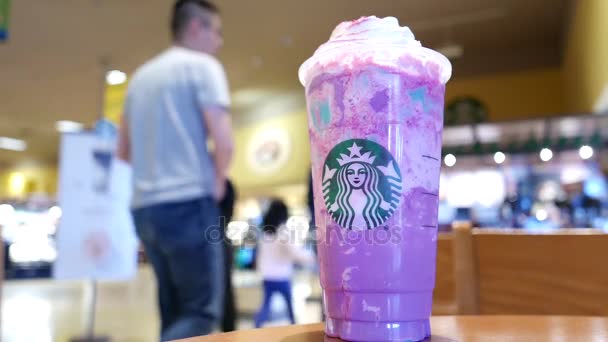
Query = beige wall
x=295 y=169
x=586 y=55
x=517 y=95
x=36 y=179
x=508 y=96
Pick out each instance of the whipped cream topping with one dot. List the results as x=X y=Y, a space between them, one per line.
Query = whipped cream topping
x=381 y=39
x=373 y=29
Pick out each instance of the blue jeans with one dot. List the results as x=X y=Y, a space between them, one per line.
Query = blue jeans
x=283 y=287
x=183 y=242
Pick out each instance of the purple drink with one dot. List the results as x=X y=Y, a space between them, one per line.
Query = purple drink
x=375 y=103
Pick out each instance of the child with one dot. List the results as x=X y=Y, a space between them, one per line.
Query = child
x=277 y=254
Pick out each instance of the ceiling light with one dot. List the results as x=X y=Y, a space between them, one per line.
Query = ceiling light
x=67 y=126
x=489 y=133
x=16 y=182
x=116 y=77
x=569 y=127
x=12 y=144
x=449 y=160
x=585 y=152
x=546 y=154
x=499 y=157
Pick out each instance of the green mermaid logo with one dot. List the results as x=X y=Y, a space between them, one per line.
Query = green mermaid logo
x=362 y=184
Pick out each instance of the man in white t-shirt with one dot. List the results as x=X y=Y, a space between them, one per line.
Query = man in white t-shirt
x=175 y=103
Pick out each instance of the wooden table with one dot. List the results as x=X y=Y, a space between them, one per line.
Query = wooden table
x=451 y=329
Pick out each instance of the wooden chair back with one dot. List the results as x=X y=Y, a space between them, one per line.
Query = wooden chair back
x=516 y=272
x=444 y=295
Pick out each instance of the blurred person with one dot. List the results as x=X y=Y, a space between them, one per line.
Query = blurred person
x=585 y=209
x=276 y=257
x=175 y=103
x=227 y=209
x=310 y=202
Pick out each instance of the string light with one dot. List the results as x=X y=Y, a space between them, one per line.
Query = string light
x=499 y=157
x=449 y=160
x=585 y=152
x=546 y=154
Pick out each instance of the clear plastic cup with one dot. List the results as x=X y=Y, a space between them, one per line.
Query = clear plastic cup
x=375 y=101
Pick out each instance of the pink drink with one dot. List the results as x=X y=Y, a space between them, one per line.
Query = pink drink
x=375 y=104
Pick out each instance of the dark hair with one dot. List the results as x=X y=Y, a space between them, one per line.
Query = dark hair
x=185 y=10
x=276 y=215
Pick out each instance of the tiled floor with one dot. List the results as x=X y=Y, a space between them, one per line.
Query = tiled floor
x=47 y=310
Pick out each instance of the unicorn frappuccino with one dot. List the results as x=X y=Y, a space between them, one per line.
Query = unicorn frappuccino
x=375 y=111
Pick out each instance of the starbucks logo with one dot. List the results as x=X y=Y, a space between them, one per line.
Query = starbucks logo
x=362 y=184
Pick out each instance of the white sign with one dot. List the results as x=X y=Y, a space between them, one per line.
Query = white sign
x=95 y=238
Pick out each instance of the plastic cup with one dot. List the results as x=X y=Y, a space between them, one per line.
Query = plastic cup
x=375 y=101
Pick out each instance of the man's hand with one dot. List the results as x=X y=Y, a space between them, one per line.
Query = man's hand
x=220 y=189
x=217 y=121
x=124 y=150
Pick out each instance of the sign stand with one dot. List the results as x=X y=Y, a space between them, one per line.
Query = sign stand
x=92 y=310
x=106 y=132
x=92 y=300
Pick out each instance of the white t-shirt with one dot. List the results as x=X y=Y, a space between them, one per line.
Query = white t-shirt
x=278 y=253
x=168 y=137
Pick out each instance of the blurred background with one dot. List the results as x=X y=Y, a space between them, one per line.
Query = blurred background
x=524 y=142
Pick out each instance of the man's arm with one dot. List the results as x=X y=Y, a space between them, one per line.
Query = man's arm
x=123 y=151
x=219 y=126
